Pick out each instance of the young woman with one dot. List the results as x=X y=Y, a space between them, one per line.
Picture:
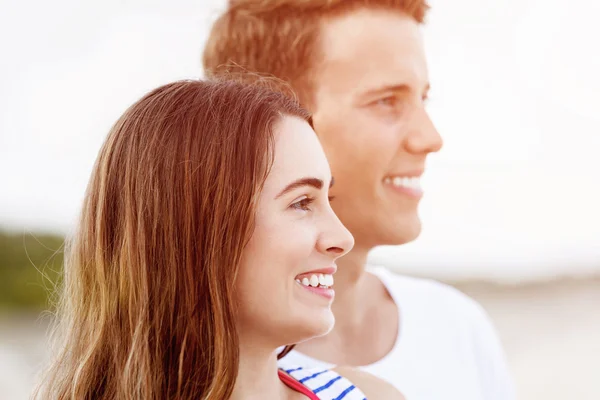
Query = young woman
x=206 y=242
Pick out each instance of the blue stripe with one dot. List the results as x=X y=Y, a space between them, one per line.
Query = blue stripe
x=325 y=386
x=313 y=376
x=288 y=371
x=344 y=393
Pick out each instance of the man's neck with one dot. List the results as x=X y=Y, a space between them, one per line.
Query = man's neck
x=257 y=374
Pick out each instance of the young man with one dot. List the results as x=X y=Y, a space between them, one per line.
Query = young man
x=359 y=66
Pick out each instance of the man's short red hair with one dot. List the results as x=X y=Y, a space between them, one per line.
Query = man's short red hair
x=280 y=37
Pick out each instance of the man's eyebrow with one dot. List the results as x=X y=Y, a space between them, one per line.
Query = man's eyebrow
x=314 y=182
x=403 y=88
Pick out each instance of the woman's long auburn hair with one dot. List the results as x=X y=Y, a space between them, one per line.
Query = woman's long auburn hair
x=146 y=306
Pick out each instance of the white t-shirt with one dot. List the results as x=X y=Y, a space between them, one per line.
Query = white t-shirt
x=447 y=348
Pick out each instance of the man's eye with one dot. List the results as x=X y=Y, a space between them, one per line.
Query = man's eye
x=389 y=101
x=303 y=204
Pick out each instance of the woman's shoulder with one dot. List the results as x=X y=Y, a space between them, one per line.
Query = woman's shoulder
x=342 y=383
x=373 y=388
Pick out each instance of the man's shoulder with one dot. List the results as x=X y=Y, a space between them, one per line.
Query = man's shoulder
x=458 y=318
x=437 y=307
x=427 y=293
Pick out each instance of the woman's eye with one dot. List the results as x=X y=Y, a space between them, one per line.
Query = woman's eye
x=303 y=204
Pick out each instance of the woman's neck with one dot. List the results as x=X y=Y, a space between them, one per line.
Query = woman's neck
x=257 y=374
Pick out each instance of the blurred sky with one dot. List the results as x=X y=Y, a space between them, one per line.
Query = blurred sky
x=514 y=195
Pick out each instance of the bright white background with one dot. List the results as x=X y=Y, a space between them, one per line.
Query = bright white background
x=514 y=195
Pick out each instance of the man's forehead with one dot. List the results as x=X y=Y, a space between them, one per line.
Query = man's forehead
x=344 y=37
x=371 y=72
x=379 y=55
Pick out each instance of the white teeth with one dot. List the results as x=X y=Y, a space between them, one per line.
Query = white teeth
x=404 y=181
x=314 y=281
x=329 y=280
x=322 y=280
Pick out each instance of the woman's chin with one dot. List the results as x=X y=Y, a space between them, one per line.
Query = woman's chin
x=319 y=324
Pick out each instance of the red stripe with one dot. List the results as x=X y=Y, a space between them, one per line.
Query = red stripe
x=297 y=386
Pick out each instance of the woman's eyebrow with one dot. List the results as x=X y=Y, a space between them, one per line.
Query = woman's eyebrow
x=314 y=182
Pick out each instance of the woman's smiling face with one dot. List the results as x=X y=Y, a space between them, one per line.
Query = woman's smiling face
x=284 y=284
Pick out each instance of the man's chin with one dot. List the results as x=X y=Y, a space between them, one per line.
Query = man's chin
x=405 y=232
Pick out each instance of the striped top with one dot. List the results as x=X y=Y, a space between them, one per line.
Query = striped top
x=325 y=384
